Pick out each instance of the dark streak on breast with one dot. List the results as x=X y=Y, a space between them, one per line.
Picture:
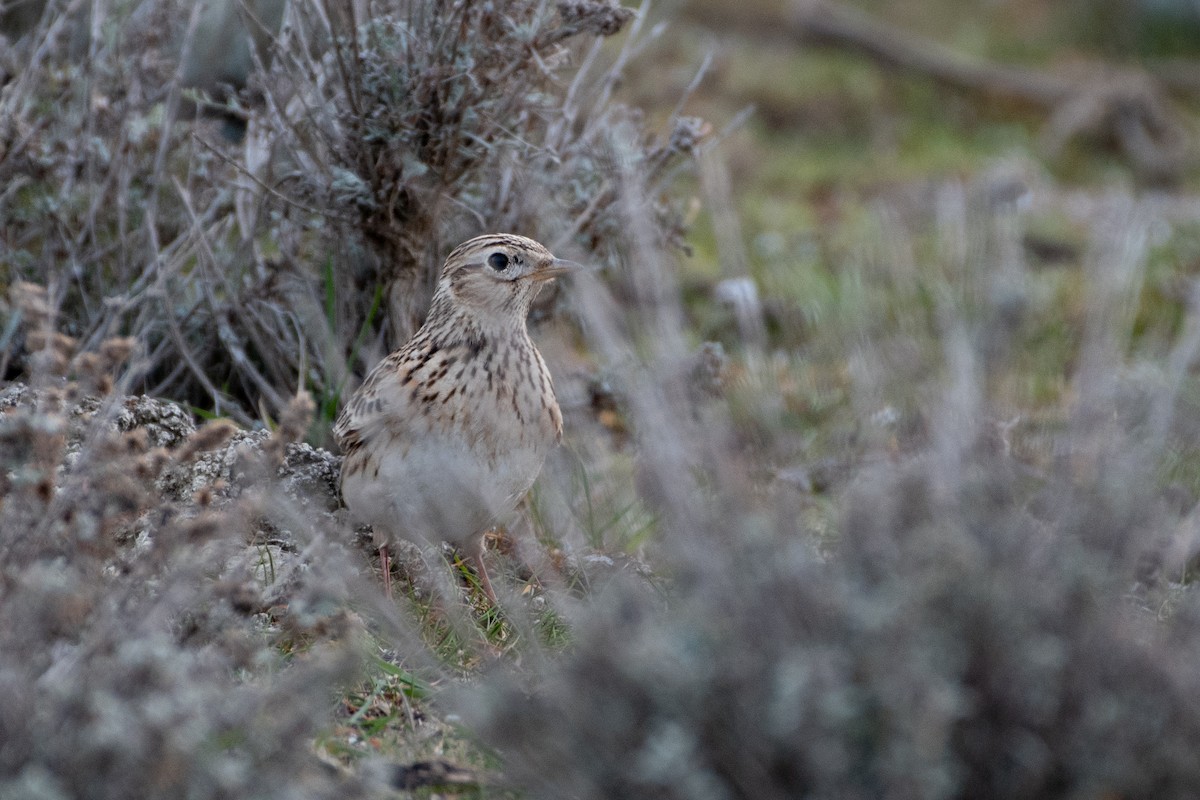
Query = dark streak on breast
x=426 y=356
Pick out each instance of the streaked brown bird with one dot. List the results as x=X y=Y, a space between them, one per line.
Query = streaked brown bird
x=448 y=433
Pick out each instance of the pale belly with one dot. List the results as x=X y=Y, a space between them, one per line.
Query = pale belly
x=440 y=490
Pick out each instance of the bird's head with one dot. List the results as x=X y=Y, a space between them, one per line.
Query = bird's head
x=500 y=273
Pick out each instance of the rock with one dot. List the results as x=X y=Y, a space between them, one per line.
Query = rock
x=222 y=470
x=166 y=424
x=311 y=476
x=272 y=571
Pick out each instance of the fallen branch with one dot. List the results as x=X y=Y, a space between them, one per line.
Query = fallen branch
x=1124 y=104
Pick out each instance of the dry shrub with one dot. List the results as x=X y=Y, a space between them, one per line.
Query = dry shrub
x=372 y=145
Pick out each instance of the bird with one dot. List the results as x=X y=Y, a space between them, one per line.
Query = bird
x=446 y=435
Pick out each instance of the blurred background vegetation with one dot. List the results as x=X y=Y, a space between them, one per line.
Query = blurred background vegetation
x=882 y=458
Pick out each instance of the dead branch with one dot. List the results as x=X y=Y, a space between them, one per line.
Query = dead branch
x=1122 y=104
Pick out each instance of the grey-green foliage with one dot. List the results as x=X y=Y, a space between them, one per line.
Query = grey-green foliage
x=138 y=658
x=983 y=625
x=970 y=639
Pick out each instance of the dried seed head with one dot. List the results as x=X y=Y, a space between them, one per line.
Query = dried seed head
x=31 y=300
x=52 y=401
x=97 y=371
x=122 y=494
x=93 y=375
x=116 y=350
x=296 y=417
x=293 y=425
x=135 y=441
x=204 y=526
x=51 y=352
x=209 y=437
x=151 y=465
x=88 y=365
x=203 y=496
x=43 y=339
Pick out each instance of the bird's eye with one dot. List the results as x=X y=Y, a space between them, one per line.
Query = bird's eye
x=498 y=261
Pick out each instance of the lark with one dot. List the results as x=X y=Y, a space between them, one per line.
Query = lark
x=448 y=433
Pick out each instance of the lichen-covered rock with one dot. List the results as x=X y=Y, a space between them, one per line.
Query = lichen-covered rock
x=311 y=476
x=267 y=573
x=14 y=395
x=308 y=474
x=166 y=424
x=222 y=471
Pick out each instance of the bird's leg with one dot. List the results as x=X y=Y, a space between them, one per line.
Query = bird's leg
x=475 y=556
x=385 y=562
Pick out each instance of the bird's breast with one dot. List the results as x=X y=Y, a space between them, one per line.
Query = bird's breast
x=480 y=422
x=440 y=487
x=498 y=398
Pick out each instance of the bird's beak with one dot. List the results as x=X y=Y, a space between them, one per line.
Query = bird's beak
x=559 y=266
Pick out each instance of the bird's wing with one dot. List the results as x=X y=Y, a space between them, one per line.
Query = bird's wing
x=394 y=392
x=379 y=399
